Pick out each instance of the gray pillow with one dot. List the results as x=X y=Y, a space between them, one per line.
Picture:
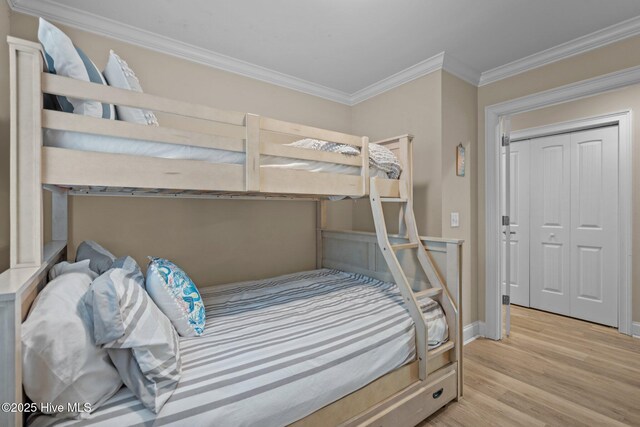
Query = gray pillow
x=137 y=336
x=100 y=259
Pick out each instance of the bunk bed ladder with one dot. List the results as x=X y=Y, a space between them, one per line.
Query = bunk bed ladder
x=411 y=297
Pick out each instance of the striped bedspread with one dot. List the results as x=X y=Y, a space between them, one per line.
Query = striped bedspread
x=276 y=350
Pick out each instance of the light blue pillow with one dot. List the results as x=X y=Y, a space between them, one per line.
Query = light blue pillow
x=64 y=59
x=177 y=296
x=140 y=340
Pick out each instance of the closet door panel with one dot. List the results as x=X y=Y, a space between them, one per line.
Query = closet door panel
x=519 y=216
x=550 y=224
x=594 y=207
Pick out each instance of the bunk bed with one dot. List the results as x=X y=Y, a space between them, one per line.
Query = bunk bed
x=233 y=155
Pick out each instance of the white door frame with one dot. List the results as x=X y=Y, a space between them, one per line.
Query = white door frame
x=623 y=120
x=563 y=94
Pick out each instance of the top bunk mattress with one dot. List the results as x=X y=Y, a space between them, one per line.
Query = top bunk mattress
x=114 y=145
x=276 y=350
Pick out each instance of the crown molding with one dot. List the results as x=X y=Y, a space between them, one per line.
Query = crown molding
x=600 y=38
x=441 y=61
x=572 y=91
x=413 y=72
x=461 y=70
x=92 y=23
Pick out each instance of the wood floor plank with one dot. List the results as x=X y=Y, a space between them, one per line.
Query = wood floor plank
x=613 y=355
x=612 y=398
x=551 y=371
x=535 y=401
x=564 y=327
x=579 y=360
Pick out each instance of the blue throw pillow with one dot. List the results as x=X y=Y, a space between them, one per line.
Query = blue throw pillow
x=176 y=295
x=64 y=59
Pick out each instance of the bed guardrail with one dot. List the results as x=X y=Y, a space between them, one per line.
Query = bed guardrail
x=253 y=135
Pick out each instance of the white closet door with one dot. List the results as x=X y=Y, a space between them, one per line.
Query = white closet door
x=594 y=212
x=551 y=224
x=519 y=216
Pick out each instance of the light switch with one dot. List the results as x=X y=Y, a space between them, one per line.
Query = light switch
x=455 y=219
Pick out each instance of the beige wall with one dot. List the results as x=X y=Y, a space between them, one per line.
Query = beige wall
x=439 y=109
x=598 y=105
x=4 y=136
x=413 y=108
x=459 y=126
x=216 y=241
x=600 y=61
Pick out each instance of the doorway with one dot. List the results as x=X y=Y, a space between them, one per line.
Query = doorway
x=492 y=327
x=563 y=233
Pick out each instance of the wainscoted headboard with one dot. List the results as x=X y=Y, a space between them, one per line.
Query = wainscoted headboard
x=358 y=252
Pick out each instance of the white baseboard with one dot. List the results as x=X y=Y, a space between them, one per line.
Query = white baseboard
x=476 y=329
x=472 y=331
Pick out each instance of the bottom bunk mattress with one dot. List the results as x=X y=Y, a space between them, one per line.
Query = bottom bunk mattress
x=276 y=350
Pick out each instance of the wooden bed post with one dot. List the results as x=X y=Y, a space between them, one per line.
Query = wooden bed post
x=454 y=285
x=26 y=151
x=364 y=173
x=405 y=155
x=252 y=148
x=59 y=215
x=321 y=224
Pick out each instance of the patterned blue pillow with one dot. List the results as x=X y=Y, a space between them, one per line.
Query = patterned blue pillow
x=177 y=296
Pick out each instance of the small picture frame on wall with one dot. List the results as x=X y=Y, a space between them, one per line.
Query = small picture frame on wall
x=460 y=160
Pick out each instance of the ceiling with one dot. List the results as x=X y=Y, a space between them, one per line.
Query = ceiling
x=346 y=46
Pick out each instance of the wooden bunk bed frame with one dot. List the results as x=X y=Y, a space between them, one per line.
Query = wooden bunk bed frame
x=402 y=397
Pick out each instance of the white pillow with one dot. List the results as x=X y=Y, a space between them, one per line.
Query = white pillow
x=65 y=267
x=120 y=75
x=64 y=59
x=61 y=363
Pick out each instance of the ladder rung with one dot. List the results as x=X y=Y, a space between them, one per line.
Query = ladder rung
x=431 y=292
x=402 y=246
x=439 y=350
x=393 y=200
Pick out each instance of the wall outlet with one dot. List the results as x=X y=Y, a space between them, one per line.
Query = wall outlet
x=455 y=219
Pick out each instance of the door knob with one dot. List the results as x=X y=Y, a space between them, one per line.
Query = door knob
x=552 y=235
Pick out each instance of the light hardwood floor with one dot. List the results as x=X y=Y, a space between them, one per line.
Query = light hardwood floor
x=551 y=371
